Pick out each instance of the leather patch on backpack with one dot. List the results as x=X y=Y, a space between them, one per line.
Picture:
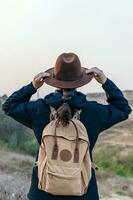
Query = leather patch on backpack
x=65 y=155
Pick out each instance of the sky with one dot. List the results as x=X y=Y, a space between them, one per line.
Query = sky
x=34 y=32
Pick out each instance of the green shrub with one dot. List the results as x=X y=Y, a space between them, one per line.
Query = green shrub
x=109 y=159
x=13 y=141
x=120 y=192
x=29 y=147
x=3 y=145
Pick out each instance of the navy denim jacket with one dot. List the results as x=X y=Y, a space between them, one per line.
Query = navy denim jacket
x=95 y=116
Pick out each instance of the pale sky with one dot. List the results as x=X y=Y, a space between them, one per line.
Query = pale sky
x=34 y=32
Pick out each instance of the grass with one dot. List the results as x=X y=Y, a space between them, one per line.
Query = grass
x=115 y=160
x=14 y=162
x=15 y=167
x=120 y=192
x=3 y=145
x=28 y=147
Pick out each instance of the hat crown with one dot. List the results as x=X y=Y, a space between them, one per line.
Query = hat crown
x=67 y=67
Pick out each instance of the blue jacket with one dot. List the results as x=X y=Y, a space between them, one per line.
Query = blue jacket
x=95 y=116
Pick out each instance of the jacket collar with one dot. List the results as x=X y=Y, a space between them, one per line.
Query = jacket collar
x=77 y=101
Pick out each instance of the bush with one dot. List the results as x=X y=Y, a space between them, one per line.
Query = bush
x=13 y=141
x=3 y=145
x=29 y=147
x=110 y=159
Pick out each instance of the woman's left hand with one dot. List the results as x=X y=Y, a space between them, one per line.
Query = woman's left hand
x=98 y=74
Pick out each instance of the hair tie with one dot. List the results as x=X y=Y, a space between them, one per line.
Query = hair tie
x=67 y=95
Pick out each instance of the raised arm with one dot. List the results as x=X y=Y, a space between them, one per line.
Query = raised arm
x=117 y=109
x=18 y=105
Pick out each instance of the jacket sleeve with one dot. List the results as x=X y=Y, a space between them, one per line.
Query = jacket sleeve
x=117 y=109
x=19 y=107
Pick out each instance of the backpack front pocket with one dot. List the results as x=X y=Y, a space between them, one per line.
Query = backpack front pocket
x=67 y=183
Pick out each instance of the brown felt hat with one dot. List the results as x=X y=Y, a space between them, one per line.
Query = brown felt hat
x=67 y=72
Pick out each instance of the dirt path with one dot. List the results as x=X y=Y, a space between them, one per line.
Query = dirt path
x=15 y=173
x=13 y=186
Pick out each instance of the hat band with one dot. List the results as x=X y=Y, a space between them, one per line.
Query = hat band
x=68 y=78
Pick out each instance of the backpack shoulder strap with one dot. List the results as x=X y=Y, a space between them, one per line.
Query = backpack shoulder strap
x=77 y=114
x=52 y=113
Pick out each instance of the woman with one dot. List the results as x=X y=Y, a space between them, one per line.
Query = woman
x=67 y=75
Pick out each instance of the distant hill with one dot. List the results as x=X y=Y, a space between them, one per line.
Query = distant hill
x=97 y=96
x=101 y=96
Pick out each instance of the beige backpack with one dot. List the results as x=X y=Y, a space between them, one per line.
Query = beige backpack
x=64 y=163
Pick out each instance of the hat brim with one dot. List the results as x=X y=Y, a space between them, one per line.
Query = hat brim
x=86 y=78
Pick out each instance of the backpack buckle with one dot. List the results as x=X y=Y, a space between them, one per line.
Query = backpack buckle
x=35 y=164
x=94 y=166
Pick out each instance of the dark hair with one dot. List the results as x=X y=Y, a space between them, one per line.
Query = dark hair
x=64 y=112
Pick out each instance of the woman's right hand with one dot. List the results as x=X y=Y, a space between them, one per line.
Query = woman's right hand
x=39 y=79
